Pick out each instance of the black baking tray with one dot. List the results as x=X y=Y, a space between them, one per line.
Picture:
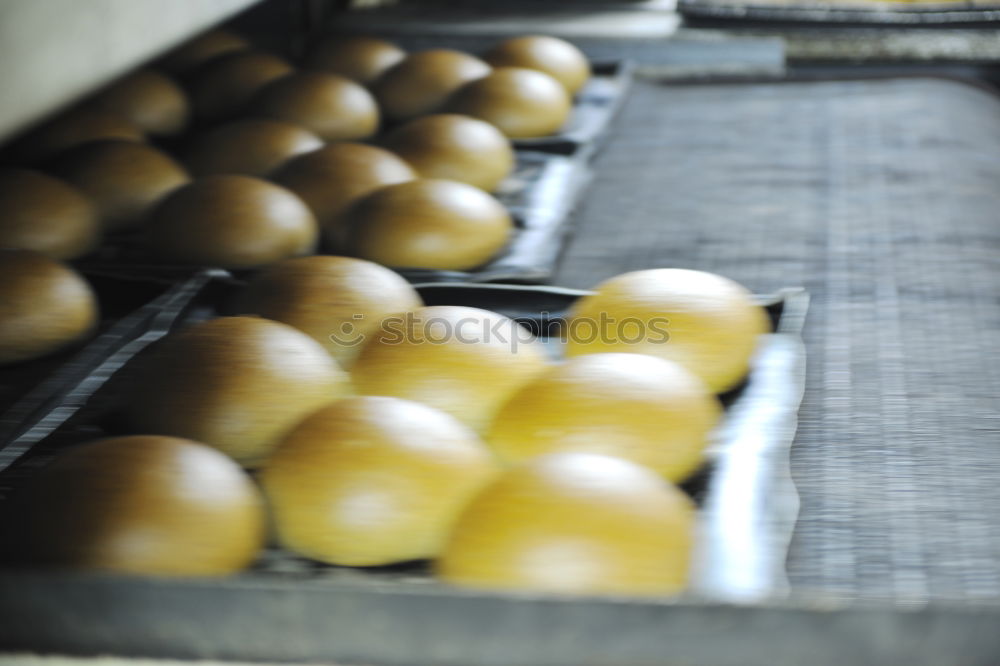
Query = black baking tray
x=747 y=499
x=540 y=194
x=889 y=14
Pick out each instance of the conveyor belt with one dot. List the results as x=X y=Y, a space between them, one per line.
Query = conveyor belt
x=883 y=199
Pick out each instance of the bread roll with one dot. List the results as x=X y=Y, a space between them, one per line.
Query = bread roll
x=335 y=108
x=124 y=179
x=45 y=306
x=47 y=215
x=145 y=505
x=424 y=81
x=238 y=384
x=231 y=221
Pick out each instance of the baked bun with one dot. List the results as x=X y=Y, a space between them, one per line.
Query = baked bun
x=238 y=384
x=224 y=86
x=454 y=147
x=47 y=215
x=464 y=361
x=231 y=221
x=45 y=306
x=424 y=81
x=330 y=179
x=146 y=505
x=371 y=481
x=521 y=103
x=198 y=51
x=149 y=100
x=361 y=59
x=338 y=301
x=252 y=147
x=433 y=224
x=334 y=107
x=124 y=179
x=73 y=129
x=556 y=57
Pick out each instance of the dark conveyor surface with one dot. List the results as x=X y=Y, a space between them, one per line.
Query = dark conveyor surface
x=882 y=198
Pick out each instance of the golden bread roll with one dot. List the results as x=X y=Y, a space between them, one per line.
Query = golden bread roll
x=574 y=523
x=556 y=57
x=124 y=179
x=224 y=86
x=333 y=107
x=45 y=306
x=231 y=221
x=371 y=481
x=464 y=361
x=145 y=505
x=432 y=224
x=238 y=384
x=713 y=325
x=47 y=215
x=149 y=100
x=361 y=59
x=338 y=301
x=423 y=82
x=521 y=103
x=454 y=147
x=252 y=147
x=332 y=178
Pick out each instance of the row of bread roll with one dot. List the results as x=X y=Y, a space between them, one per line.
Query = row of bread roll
x=523 y=86
x=126 y=179
x=509 y=470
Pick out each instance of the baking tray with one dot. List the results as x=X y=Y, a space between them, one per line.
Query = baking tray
x=890 y=14
x=540 y=194
x=747 y=505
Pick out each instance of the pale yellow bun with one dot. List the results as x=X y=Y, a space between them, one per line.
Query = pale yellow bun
x=372 y=481
x=454 y=147
x=433 y=224
x=647 y=410
x=252 y=147
x=231 y=221
x=45 y=306
x=47 y=215
x=338 y=301
x=521 y=103
x=334 y=107
x=556 y=57
x=361 y=59
x=464 y=361
x=145 y=505
x=238 y=384
x=332 y=178
x=424 y=81
x=148 y=99
x=72 y=129
x=224 y=86
x=574 y=523
x=124 y=179
x=201 y=49
x=712 y=324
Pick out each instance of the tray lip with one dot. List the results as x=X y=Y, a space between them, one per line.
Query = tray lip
x=829 y=14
